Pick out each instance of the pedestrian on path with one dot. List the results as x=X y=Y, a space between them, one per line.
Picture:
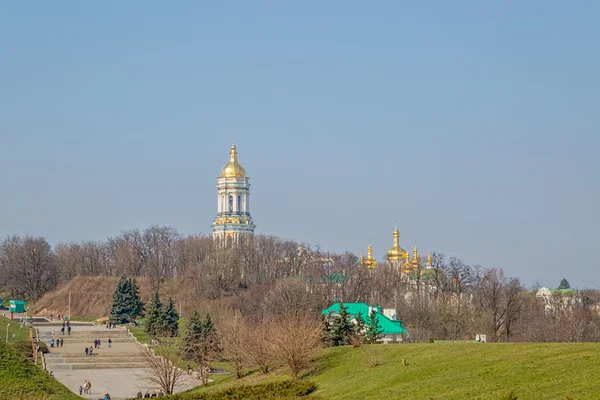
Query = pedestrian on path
x=62 y=330
x=61 y=342
x=86 y=350
x=109 y=342
x=69 y=330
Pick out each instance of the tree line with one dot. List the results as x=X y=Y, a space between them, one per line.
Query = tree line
x=260 y=278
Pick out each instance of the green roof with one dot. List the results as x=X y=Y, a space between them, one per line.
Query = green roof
x=389 y=326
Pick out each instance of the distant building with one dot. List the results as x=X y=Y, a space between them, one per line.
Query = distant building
x=558 y=299
x=233 y=221
x=393 y=330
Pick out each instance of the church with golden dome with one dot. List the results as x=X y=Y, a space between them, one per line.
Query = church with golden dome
x=233 y=221
x=399 y=260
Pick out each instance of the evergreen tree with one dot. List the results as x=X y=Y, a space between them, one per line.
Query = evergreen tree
x=192 y=335
x=564 y=284
x=126 y=303
x=373 y=330
x=341 y=328
x=136 y=300
x=169 y=319
x=325 y=331
x=359 y=328
x=154 y=317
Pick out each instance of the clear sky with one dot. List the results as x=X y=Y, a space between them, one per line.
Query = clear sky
x=473 y=124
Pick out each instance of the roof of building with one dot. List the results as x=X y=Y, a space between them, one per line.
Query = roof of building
x=233 y=169
x=389 y=326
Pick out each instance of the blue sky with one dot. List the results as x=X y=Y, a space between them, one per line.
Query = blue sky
x=474 y=125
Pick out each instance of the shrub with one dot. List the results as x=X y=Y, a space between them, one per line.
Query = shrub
x=23 y=347
x=281 y=390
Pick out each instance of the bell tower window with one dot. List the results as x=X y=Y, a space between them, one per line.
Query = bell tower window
x=239 y=204
x=230 y=204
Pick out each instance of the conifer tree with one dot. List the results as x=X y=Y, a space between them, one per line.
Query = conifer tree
x=136 y=300
x=169 y=319
x=564 y=284
x=154 y=317
x=374 y=332
x=359 y=328
x=341 y=328
x=192 y=335
x=126 y=303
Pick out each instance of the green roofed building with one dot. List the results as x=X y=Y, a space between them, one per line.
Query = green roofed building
x=386 y=318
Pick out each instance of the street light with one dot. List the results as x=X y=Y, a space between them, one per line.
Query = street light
x=7 y=325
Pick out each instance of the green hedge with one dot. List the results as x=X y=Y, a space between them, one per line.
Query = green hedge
x=283 y=390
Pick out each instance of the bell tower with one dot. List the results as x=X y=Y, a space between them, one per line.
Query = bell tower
x=233 y=221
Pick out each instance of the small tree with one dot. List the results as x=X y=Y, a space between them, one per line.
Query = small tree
x=169 y=319
x=259 y=348
x=341 y=328
x=155 y=317
x=234 y=341
x=295 y=339
x=374 y=332
x=192 y=336
x=358 y=332
x=564 y=284
x=126 y=303
x=163 y=369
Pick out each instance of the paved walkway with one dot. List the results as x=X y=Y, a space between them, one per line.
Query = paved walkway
x=120 y=383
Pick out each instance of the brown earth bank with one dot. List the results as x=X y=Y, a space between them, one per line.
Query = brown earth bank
x=92 y=296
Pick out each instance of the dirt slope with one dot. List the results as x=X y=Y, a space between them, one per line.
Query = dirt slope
x=91 y=296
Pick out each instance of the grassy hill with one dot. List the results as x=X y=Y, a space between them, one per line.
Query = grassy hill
x=460 y=371
x=444 y=371
x=20 y=379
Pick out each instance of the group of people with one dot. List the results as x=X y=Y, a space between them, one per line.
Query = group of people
x=61 y=317
x=148 y=395
x=111 y=325
x=86 y=388
x=58 y=342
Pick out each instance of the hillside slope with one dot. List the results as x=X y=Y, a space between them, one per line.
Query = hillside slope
x=92 y=296
x=20 y=379
x=443 y=371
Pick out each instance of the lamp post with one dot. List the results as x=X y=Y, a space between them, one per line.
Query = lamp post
x=7 y=325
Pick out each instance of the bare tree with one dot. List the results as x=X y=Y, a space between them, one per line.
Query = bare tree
x=259 y=348
x=296 y=337
x=234 y=340
x=163 y=365
x=31 y=266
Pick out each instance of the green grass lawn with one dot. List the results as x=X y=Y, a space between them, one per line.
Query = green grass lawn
x=13 y=328
x=20 y=379
x=460 y=371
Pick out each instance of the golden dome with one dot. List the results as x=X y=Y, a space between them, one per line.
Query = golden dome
x=233 y=169
x=370 y=262
x=396 y=252
x=429 y=259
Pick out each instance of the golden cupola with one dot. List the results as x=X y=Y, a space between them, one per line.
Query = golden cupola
x=396 y=253
x=416 y=259
x=370 y=262
x=233 y=169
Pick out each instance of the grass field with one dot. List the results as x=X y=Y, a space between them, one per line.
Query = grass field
x=20 y=379
x=444 y=371
x=439 y=371
x=13 y=328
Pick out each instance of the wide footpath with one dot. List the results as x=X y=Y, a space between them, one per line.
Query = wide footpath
x=118 y=370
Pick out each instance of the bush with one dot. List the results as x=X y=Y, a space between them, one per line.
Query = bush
x=281 y=390
x=43 y=347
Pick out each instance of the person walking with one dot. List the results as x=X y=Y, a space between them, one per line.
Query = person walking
x=80 y=390
x=109 y=342
x=86 y=350
x=62 y=330
x=91 y=350
x=61 y=342
x=98 y=343
x=69 y=330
